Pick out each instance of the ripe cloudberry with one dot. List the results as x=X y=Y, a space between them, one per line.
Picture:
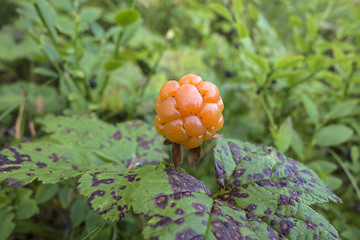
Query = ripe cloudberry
x=189 y=112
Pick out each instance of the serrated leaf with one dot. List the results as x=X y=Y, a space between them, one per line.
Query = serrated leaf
x=263 y=195
x=126 y=17
x=288 y=61
x=342 y=109
x=311 y=109
x=272 y=188
x=221 y=10
x=97 y=143
x=334 y=134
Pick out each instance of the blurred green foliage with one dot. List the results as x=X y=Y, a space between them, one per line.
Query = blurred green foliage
x=288 y=71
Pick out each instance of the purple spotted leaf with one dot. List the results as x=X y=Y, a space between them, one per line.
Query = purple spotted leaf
x=276 y=189
x=78 y=144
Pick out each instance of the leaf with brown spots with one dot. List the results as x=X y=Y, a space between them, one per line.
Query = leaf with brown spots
x=276 y=189
x=78 y=144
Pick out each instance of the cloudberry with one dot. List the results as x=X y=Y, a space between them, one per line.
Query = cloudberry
x=189 y=111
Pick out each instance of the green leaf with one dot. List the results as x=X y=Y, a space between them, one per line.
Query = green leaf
x=342 y=109
x=272 y=188
x=262 y=195
x=258 y=60
x=334 y=182
x=48 y=12
x=46 y=192
x=297 y=144
x=237 y=7
x=65 y=5
x=317 y=62
x=221 y=10
x=288 y=61
x=334 y=134
x=26 y=209
x=241 y=29
x=97 y=143
x=66 y=25
x=7 y=225
x=126 y=17
x=90 y=14
x=323 y=166
x=78 y=212
x=311 y=109
x=284 y=135
x=45 y=72
x=112 y=64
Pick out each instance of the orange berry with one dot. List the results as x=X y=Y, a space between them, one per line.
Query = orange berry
x=221 y=104
x=190 y=79
x=193 y=126
x=167 y=110
x=188 y=100
x=169 y=89
x=193 y=142
x=157 y=104
x=210 y=114
x=189 y=111
x=220 y=123
x=175 y=131
x=160 y=126
x=209 y=92
x=209 y=134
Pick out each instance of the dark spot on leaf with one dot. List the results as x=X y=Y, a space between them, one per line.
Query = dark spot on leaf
x=164 y=221
x=284 y=200
x=272 y=235
x=131 y=178
x=199 y=207
x=179 y=211
x=285 y=226
x=74 y=167
x=180 y=221
x=117 y=135
x=267 y=172
x=258 y=177
x=9 y=169
x=99 y=193
x=161 y=201
x=187 y=234
x=54 y=157
x=310 y=225
x=38 y=149
x=30 y=174
x=250 y=208
x=309 y=190
x=41 y=164
x=248 y=159
x=122 y=187
x=238 y=173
